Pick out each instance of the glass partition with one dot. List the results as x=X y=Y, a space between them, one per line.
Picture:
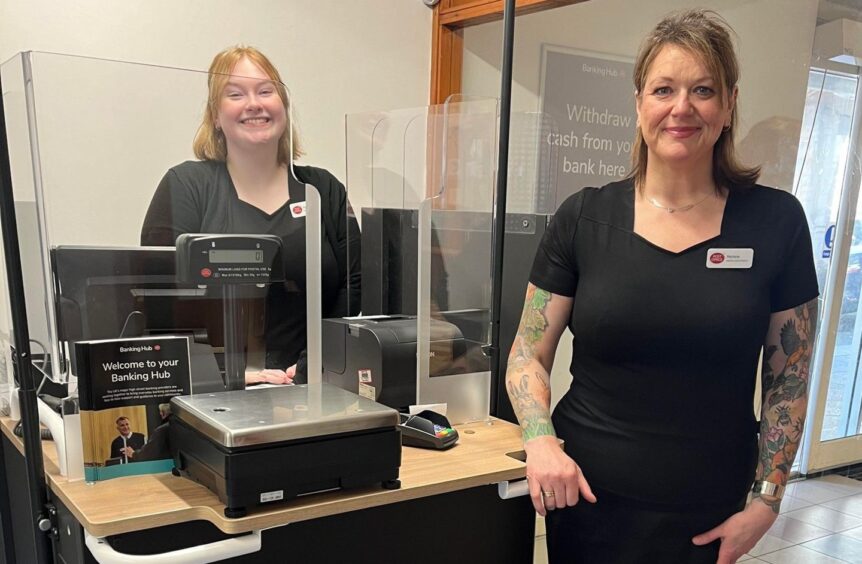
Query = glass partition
x=15 y=109
x=107 y=182
x=421 y=182
x=533 y=165
x=18 y=124
x=6 y=336
x=86 y=161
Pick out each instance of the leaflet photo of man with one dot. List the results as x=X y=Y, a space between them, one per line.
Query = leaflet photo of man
x=126 y=445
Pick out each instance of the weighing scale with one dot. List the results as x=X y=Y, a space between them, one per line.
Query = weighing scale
x=253 y=447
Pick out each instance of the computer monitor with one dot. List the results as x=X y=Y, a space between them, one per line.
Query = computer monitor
x=113 y=292
x=116 y=292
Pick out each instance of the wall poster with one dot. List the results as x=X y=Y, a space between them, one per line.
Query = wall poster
x=590 y=98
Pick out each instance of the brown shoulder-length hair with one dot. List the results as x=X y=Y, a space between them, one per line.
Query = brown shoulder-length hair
x=209 y=143
x=707 y=36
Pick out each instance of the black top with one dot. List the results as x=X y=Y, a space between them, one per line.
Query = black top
x=135 y=440
x=200 y=197
x=666 y=350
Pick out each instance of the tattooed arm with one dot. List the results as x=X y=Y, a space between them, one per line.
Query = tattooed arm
x=528 y=373
x=786 y=354
x=549 y=470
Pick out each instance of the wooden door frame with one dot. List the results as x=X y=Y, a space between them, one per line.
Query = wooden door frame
x=447 y=41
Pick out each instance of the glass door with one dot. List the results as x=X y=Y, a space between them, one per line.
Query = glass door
x=827 y=183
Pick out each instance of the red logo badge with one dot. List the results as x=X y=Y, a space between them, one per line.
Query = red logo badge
x=297 y=209
x=716 y=258
x=206 y=272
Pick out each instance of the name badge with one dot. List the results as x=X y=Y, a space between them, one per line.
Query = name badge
x=729 y=258
x=297 y=209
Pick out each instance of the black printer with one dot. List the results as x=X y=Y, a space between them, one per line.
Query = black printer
x=376 y=356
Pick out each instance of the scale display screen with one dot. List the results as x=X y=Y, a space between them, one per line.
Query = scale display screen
x=236 y=256
x=220 y=258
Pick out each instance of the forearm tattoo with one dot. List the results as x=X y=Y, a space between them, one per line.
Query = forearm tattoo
x=527 y=382
x=785 y=396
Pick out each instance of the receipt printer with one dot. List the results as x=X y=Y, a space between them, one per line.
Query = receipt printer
x=375 y=357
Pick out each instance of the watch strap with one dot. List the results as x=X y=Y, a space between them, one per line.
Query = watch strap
x=770 y=489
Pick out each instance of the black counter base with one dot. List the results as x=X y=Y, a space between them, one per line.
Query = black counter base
x=19 y=534
x=473 y=525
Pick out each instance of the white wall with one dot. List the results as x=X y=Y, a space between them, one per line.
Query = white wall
x=774 y=45
x=336 y=56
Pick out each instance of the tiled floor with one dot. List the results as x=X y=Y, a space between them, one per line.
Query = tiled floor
x=820 y=523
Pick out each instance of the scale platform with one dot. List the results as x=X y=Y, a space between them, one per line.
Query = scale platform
x=263 y=445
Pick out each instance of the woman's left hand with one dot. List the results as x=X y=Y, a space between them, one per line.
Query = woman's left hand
x=271 y=376
x=740 y=532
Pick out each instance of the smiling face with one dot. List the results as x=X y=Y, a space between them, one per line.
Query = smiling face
x=680 y=110
x=251 y=113
x=124 y=427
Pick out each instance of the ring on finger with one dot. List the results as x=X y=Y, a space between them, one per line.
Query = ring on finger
x=547 y=494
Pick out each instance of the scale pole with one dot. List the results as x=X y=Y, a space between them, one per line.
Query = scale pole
x=234 y=353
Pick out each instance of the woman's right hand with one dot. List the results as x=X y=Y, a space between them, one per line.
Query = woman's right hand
x=551 y=471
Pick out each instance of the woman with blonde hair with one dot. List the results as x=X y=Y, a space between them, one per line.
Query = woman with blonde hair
x=246 y=182
x=671 y=281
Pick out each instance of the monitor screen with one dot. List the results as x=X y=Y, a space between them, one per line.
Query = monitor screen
x=113 y=292
x=120 y=292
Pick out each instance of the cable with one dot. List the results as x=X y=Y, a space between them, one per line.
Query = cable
x=136 y=315
x=45 y=434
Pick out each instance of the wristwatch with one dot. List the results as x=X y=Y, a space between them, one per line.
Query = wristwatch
x=770 y=489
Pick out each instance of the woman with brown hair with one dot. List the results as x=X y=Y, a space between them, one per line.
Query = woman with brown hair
x=245 y=182
x=672 y=281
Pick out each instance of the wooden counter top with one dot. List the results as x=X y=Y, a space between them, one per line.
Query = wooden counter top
x=134 y=503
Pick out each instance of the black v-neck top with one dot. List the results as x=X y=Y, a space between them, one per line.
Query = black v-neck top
x=200 y=197
x=666 y=350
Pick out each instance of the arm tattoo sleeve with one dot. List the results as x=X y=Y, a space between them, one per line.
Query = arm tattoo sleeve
x=786 y=358
x=527 y=381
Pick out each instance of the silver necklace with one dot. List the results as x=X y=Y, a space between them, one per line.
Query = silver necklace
x=680 y=209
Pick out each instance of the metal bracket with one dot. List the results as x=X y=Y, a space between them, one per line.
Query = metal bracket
x=48 y=524
x=508 y=490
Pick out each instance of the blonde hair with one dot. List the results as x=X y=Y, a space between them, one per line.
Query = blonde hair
x=706 y=35
x=209 y=143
